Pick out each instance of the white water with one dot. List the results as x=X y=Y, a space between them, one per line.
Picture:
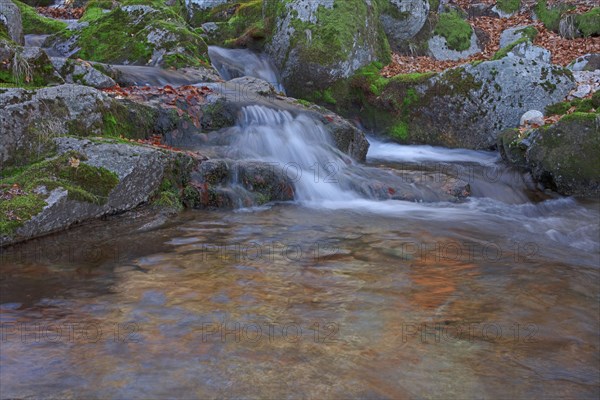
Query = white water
x=402 y=153
x=235 y=63
x=297 y=145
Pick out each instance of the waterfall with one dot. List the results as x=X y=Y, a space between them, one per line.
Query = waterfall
x=236 y=63
x=297 y=145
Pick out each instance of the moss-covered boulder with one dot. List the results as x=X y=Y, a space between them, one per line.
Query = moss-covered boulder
x=230 y=23
x=317 y=42
x=466 y=106
x=403 y=19
x=225 y=183
x=81 y=72
x=83 y=180
x=11 y=26
x=133 y=32
x=34 y=23
x=30 y=119
x=25 y=66
x=563 y=157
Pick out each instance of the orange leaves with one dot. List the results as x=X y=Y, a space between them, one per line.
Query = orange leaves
x=563 y=50
x=61 y=12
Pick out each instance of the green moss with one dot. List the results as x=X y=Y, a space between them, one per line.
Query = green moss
x=119 y=36
x=4 y=33
x=528 y=35
x=550 y=16
x=434 y=5
x=175 y=190
x=508 y=6
x=596 y=100
x=83 y=183
x=333 y=37
x=400 y=131
x=455 y=29
x=589 y=23
x=580 y=105
x=34 y=23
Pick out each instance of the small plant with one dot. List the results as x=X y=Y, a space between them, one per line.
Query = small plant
x=21 y=69
x=508 y=6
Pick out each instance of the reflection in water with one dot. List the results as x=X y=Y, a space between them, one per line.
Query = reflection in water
x=308 y=302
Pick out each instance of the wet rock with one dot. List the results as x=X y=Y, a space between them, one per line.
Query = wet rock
x=224 y=183
x=10 y=21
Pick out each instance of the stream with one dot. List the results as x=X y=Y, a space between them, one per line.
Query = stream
x=334 y=295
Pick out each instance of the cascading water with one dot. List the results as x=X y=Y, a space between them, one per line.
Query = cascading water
x=299 y=145
x=236 y=63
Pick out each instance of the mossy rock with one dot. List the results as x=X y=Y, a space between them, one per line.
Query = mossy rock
x=315 y=43
x=589 y=23
x=25 y=67
x=34 y=23
x=68 y=171
x=455 y=29
x=564 y=156
x=136 y=33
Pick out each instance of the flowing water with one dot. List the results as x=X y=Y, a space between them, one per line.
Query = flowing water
x=235 y=63
x=334 y=295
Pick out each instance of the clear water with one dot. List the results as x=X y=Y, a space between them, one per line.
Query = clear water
x=335 y=295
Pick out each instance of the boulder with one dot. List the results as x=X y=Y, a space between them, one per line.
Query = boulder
x=81 y=72
x=438 y=48
x=513 y=34
x=562 y=157
x=133 y=34
x=30 y=119
x=466 y=106
x=469 y=106
x=10 y=21
x=225 y=183
x=588 y=62
x=26 y=66
x=86 y=180
x=532 y=117
x=531 y=52
x=317 y=42
x=403 y=19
